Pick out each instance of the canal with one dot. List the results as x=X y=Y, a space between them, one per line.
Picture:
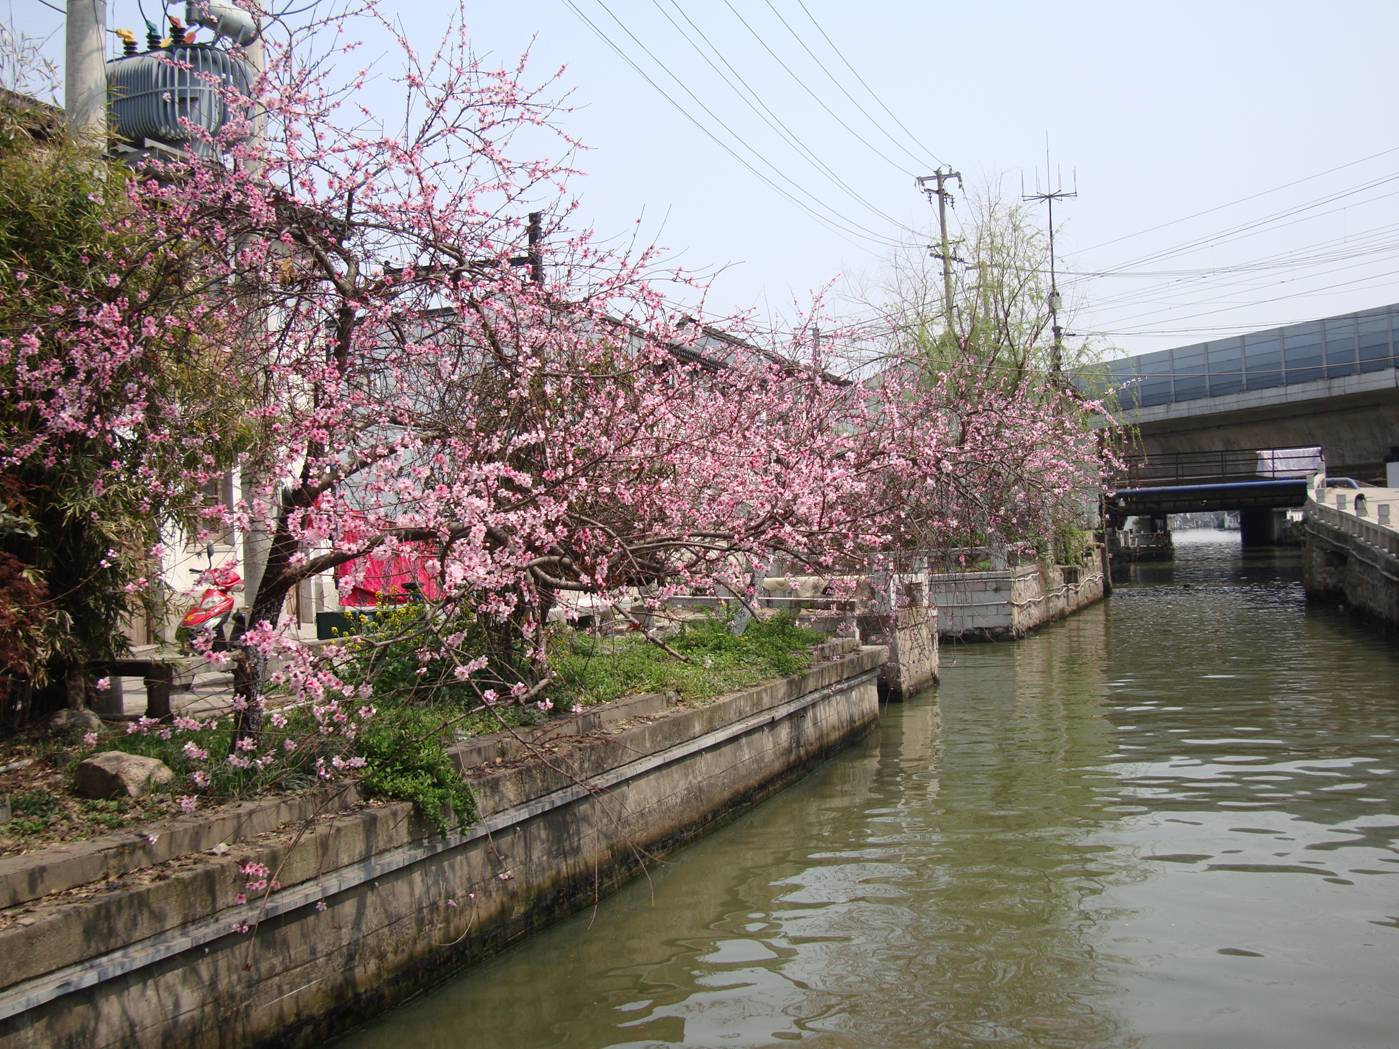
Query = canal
x=1168 y=822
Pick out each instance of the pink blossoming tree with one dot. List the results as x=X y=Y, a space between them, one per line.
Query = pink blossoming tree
x=526 y=414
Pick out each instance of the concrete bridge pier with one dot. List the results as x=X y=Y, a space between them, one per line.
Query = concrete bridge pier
x=1263 y=526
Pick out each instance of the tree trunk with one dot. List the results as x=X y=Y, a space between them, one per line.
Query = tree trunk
x=249 y=662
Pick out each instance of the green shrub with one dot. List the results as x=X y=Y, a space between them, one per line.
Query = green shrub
x=384 y=653
x=1071 y=544
x=406 y=755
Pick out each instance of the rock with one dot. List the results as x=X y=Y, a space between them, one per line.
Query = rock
x=114 y=773
x=70 y=720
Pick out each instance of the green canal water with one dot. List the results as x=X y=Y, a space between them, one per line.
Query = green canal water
x=1168 y=822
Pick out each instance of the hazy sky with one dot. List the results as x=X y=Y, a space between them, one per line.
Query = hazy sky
x=1164 y=110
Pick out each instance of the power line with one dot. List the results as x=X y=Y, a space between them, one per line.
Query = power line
x=1232 y=232
x=1279 y=298
x=841 y=55
x=1257 y=268
x=1132 y=296
x=817 y=98
x=1269 y=223
x=1240 y=200
x=765 y=112
x=831 y=223
x=841 y=87
x=1169 y=308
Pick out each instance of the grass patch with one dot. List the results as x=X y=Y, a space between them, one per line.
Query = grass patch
x=599 y=669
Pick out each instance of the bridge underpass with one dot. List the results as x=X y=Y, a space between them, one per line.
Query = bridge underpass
x=1259 y=484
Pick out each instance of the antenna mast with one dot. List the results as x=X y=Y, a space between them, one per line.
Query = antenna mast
x=1056 y=358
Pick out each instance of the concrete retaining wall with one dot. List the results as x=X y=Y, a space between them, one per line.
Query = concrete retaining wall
x=373 y=906
x=1007 y=604
x=911 y=636
x=1351 y=561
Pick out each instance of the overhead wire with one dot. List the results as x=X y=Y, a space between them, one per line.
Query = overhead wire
x=1247 y=275
x=863 y=83
x=839 y=86
x=1229 y=289
x=815 y=97
x=852 y=229
x=1289 y=258
x=1257 y=279
x=1231 y=233
x=1279 y=298
x=1241 y=200
x=765 y=112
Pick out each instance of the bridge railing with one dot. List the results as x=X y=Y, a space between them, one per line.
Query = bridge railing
x=1376 y=535
x=1218 y=466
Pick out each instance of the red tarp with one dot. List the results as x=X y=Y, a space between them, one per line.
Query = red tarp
x=383 y=579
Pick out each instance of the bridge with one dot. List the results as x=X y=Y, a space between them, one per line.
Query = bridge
x=1255 y=482
x=1332 y=383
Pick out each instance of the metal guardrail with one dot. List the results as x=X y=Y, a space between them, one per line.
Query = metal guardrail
x=1217 y=466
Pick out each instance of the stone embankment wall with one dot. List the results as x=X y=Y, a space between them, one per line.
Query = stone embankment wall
x=371 y=904
x=1352 y=561
x=1007 y=604
x=911 y=636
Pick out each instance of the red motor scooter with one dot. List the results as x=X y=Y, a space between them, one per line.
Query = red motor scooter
x=214 y=608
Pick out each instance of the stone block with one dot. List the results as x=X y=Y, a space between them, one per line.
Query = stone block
x=114 y=773
x=70 y=720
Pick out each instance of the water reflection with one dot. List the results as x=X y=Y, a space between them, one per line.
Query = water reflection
x=1168 y=822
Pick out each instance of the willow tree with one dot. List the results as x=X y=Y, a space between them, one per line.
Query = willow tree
x=999 y=341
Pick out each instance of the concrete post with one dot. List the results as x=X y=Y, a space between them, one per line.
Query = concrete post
x=85 y=72
x=1000 y=555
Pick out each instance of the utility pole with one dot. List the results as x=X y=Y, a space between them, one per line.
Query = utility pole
x=536 y=247
x=534 y=251
x=939 y=179
x=1056 y=356
x=85 y=72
